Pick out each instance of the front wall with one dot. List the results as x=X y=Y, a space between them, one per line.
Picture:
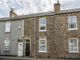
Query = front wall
x=57 y=35
x=73 y=34
x=16 y=33
x=49 y=36
x=62 y=35
x=29 y=33
x=31 y=29
x=13 y=35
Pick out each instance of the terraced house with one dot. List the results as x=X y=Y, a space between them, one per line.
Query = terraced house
x=45 y=35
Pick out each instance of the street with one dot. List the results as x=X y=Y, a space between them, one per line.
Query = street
x=29 y=58
x=39 y=59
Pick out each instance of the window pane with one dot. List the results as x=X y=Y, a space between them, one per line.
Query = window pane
x=72 y=21
x=42 y=42
x=42 y=48
x=73 y=41
x=42 y=24
x=73 y=49
x=72 y=25
x=42 y=28
x=42 y=20
x=73 y=45
x=42 y=45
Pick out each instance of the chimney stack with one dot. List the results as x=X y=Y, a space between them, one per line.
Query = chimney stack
x=57 y=7
x=12 y=13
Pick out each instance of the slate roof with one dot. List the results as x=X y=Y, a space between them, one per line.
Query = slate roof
x=27 y=16
x=69 y=11
x=21 y=17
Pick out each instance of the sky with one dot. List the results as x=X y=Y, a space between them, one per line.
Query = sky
x=23 y=7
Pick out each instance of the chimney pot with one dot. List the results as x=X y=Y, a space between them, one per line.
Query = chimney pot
x=12 y=13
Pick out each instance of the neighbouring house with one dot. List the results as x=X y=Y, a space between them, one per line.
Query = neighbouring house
x=45 y=35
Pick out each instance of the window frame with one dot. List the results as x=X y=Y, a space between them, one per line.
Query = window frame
x=41 y=25
x=43 y=44
x=77 y=47
x=7 y=43
x=69 y=23
x=7 y=26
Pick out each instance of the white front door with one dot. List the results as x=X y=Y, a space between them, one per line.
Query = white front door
x=20 y=48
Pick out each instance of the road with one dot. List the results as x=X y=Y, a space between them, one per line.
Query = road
x=28 y=58
x=40 y=59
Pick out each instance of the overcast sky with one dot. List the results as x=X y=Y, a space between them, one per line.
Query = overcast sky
x=23 y=7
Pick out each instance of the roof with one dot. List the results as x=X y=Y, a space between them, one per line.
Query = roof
x=69 y=11
x=39 y=14
x=21 y=17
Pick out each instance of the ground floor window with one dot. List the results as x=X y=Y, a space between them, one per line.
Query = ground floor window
x=42 y=45
x=6 y=44
x=73 y=45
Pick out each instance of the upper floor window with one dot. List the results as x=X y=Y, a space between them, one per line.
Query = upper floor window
x=42 y=45
x=6 y=44
x=42 y=24
x=7 y=26
x=73 y=45
x=72 y=23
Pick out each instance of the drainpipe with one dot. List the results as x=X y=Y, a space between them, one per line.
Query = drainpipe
x=34 y=37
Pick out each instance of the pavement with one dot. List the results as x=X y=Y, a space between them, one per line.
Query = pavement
x=15 y=58
x=29 y=58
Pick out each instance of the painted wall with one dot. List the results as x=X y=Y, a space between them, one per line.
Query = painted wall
x=13 y=35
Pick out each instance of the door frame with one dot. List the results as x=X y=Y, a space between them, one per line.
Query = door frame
x=28 y=42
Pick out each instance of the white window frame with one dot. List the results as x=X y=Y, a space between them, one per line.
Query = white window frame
x=40 y=25
x=43 y=44
x=76 y=47
x=6 y=44
x=69 y=23
x=7 y=26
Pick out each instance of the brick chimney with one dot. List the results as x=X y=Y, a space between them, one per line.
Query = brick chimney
x=12 y=13
x=57 y=7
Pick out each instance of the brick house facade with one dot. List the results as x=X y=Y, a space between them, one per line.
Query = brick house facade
x=57 y=35
x=51 y=34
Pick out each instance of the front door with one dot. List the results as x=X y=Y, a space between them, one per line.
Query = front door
x=20 y=48
x=27 y=47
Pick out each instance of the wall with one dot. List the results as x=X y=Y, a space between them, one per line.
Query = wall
x=57 y=35
x=13 y=35
x=62 y=35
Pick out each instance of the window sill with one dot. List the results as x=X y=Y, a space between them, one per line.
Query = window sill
x=42 y=30
x=74 y=52
x=6 y=50
x=7 y=31
x=43 y=51
x=73 y=29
